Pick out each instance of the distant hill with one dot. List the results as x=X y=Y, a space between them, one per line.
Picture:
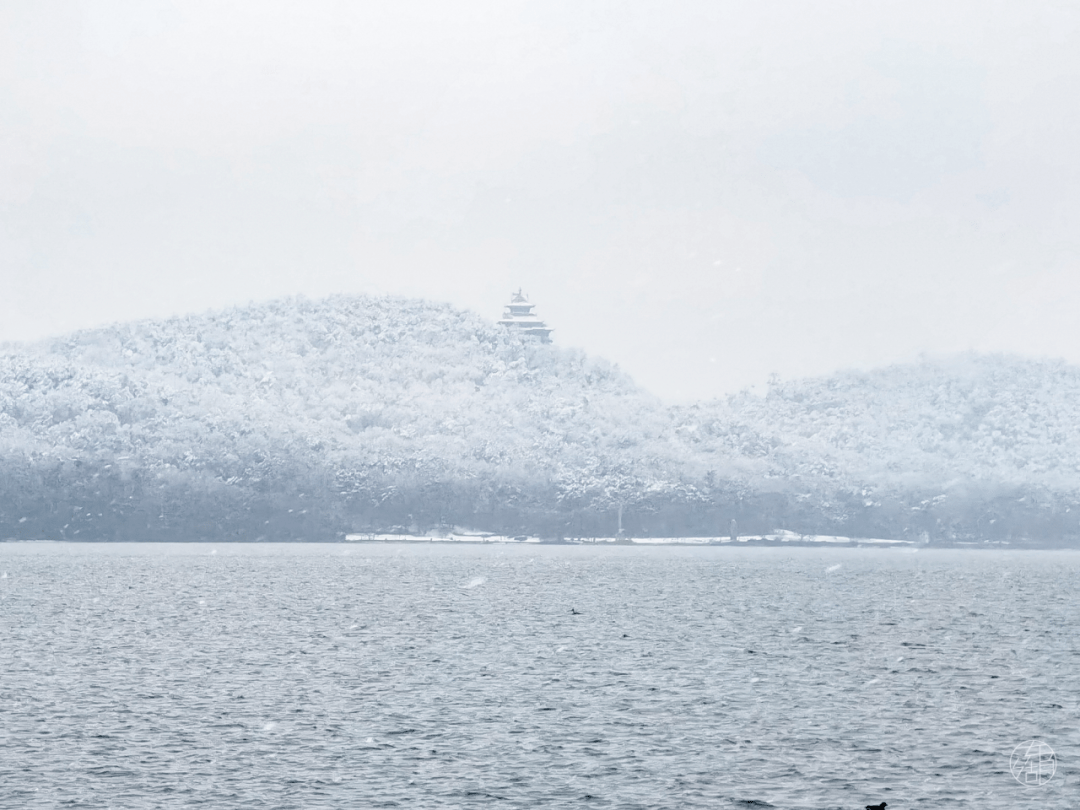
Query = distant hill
x=300 y=418
x=967 y=446
x=309 y=419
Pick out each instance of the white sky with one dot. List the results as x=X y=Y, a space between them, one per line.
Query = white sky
x=704 y=192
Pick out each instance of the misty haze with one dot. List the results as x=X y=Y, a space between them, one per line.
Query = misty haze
x=617 y=405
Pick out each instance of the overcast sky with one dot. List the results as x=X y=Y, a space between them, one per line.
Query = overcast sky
x=703 y=192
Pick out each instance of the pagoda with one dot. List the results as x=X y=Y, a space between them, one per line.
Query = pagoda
x=519 y=316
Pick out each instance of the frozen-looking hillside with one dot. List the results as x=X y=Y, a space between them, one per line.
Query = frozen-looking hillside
x=987 y=446
x=301 y=419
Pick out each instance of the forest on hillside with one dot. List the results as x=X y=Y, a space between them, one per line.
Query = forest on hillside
x=301 y=419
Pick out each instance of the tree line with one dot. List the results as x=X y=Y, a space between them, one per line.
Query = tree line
x=303 y=419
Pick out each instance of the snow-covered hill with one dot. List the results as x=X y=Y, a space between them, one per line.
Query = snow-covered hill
x=315 y=417
x=312 y=419
x=948 y=446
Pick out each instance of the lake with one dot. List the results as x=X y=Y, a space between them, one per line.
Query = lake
x=503 y=676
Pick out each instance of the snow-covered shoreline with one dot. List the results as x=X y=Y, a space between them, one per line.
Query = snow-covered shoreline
x=779 y=538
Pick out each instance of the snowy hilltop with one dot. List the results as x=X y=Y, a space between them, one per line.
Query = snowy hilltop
x=302 y=419
x=974 y=447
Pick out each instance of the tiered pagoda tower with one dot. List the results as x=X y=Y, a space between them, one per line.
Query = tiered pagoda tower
x=519 y=316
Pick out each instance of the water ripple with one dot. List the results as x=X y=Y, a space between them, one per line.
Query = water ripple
x=305 y=677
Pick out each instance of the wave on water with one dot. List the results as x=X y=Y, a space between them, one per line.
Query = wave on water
x=696 y=679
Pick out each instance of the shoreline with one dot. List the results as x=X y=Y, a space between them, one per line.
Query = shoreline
x=777 y=539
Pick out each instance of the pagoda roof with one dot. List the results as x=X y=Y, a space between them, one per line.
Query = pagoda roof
x=518 y=316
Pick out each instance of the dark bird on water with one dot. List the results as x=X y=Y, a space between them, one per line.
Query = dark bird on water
x=575 y=611
x=876 y=806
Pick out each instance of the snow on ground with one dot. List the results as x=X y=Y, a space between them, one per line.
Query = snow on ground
x=763 y=539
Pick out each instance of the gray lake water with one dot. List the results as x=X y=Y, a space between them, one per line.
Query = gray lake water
x=334 y=676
